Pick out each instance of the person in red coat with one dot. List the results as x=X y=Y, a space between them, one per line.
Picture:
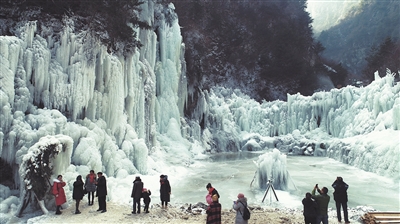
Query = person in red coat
x=59 y=193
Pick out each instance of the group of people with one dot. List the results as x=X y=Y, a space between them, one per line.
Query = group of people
x=139 y=191
x=99 y=185
x=93 y=184
x=214 y=207
x=316 y=206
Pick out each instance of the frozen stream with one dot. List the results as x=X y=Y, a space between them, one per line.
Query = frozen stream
x=233 y=173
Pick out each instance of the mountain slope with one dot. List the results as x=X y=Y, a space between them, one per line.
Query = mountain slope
x=368 y=25
x=264 y=48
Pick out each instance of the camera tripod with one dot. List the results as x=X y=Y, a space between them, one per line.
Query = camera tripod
x=270 y=185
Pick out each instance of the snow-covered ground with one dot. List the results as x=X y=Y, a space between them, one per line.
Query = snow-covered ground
x=233 y=173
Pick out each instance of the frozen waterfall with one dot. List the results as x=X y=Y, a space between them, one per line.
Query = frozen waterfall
x=112 y=107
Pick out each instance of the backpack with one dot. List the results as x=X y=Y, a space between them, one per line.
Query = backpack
x=246 y=212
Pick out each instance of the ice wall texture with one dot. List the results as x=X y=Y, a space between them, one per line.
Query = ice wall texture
x=112 y=107
x=358 y=126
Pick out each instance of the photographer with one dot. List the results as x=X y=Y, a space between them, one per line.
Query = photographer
x=322 y=201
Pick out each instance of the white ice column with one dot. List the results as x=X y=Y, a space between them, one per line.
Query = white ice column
x=168 y=74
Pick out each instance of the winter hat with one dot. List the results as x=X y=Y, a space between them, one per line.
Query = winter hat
x=208 y=185
x=240 y=195
x=215 y=197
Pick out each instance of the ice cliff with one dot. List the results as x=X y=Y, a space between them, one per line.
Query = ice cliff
x=112 y=107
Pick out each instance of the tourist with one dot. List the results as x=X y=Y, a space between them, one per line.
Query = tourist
x=59 y=193
x=239 y=206
x=90 y=186
x=210 y=191
x=77 y=193
x=165 y=191
x=214 y=211
x=310 y=209
x=322 y=201
x=340 y=197
x=146 y=199
x=101 y=192
x=137 y=194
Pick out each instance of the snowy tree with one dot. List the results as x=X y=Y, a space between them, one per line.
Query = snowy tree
x=39 y=164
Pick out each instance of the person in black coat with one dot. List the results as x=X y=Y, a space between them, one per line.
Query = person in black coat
x=146 y=198
x=310 y=210
x=165 y=191
x=77 y=193
x=137 y=194
x=101 y=192
x=340 y=197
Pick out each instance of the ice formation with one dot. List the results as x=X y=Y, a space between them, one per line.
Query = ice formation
x=271 y=169
x=112 y=107
x=346 y=124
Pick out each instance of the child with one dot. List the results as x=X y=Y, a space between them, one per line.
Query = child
x=146 y=198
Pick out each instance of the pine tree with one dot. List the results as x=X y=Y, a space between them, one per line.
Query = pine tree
x=385 y=56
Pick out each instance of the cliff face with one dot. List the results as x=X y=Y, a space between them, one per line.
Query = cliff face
x=263 y=48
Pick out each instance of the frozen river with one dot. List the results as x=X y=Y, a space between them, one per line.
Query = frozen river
x=233 y=173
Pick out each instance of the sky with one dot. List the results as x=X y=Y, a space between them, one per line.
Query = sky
x=124 y=117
